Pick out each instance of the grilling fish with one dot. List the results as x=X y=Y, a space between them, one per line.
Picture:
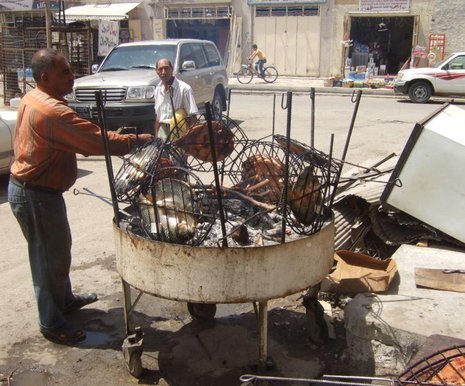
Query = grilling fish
x=196 y=142
x=135 y=169
x=305 y=198
x=173 y=211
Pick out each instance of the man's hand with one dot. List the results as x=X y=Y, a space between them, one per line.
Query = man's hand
x=144 y=138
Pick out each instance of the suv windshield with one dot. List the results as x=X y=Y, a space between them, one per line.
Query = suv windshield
x=145 y=56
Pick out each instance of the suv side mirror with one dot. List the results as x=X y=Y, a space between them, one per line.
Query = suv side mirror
x=94 y=68
x=188 y=65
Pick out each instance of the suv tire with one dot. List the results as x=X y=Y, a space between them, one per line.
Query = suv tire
x=420 y=92
x=217 y=106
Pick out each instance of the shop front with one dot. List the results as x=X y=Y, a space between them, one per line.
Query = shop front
x=289 y=34
x=381 y=44
x=203 y=21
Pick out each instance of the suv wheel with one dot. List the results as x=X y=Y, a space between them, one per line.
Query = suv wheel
x=419 y=92
x=217 y=106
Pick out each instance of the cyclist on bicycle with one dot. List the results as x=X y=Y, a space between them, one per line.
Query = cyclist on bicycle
x=256 y=52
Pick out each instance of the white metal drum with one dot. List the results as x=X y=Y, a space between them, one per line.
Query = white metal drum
x=230 y=275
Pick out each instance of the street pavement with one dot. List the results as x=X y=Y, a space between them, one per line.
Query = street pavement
x=177 y=350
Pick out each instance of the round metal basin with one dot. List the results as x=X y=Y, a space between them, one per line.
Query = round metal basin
x=230 y=275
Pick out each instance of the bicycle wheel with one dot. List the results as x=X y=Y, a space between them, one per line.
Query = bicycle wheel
x=271 y=74
x=244 y=76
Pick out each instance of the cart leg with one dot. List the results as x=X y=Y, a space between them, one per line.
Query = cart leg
x=264 y=361
x=133 y=345
x=128 y=320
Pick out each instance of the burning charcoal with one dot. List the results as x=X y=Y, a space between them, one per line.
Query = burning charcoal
x=196 y=142
x=238 y=208
x=262 y=176
x=241 y=235
x=305 y=197
x=266 y=222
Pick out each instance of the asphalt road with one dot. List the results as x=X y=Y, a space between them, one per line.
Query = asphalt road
x=173 y=354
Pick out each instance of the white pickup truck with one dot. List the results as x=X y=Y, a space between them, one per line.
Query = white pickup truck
x=7 y=129
x=447 y=78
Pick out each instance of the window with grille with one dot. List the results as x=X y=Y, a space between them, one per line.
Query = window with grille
x=290 y=10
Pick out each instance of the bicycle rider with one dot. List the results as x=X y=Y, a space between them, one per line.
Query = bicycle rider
x=256 y=52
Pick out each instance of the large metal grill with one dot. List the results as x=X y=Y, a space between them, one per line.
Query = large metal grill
x=256 y=193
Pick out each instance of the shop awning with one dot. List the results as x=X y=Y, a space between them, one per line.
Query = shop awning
x=117 y=11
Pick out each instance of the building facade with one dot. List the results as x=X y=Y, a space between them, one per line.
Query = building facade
x=317 y=38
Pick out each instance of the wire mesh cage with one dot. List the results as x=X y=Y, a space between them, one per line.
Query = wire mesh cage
x=173 y=209
x=446 y=367
x=193 y=141
x=144 y=165
x=259 y=171
x=311 y=188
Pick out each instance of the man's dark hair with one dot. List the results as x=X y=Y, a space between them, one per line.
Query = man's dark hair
x=158 y=61
x=254 y=46
x=43 y=60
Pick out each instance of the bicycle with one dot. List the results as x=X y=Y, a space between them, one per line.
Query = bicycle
x=247 y=72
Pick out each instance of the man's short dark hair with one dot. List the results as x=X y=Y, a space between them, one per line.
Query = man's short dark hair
x=158 y=61
x=43 y=60
x=254 y=46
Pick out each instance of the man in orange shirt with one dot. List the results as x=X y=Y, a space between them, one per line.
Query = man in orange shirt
x=260 y=55
x=48 y=136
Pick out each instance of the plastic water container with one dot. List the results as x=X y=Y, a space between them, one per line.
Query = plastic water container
x=29 y=77
x=14 y=102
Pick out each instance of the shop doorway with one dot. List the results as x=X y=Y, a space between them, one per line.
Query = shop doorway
x=383 y=43
x=216 y=30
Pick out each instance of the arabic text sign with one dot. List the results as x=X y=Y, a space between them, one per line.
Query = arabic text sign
x=27 y=5
x=108 y=36
x=384 y=5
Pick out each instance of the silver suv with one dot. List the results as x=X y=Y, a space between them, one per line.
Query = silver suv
x=127 y=79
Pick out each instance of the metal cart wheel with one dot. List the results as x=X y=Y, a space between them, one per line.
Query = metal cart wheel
x=202 y=311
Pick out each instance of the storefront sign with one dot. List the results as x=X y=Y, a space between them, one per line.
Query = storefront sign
x=384 y=5
x=281 y=2
x=28 y=5
x=108 y=36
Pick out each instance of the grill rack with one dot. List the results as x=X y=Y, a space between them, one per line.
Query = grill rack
x=312 y=187
x=426 y=372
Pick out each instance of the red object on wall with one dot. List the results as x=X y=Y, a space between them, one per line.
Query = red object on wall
x=436 y=48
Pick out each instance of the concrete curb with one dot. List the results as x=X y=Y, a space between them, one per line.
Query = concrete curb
x=321 y=90
x=304 y=85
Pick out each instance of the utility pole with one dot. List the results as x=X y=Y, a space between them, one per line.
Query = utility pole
x=48 y=30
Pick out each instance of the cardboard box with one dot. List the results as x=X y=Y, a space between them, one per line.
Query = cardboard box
x=356 y=273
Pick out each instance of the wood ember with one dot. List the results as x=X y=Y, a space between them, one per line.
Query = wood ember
x=262 y=176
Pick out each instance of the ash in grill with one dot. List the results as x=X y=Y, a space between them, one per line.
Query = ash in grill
x=212 y=186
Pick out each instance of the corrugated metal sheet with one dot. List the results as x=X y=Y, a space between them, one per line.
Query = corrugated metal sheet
x=348 y=212
x=367 y=183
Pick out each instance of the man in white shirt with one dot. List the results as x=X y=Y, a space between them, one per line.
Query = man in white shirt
x=171 y=94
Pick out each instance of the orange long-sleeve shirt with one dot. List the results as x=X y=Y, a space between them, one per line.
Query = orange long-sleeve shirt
x=49 y=134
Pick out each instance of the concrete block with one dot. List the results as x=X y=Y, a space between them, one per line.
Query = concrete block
x=385 y=331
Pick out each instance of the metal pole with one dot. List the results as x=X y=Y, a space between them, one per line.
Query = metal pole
x=286 y=174
x=48 y=30
x=208 y=115
x=352 y=122
x=274 y=114
x=262 y=333
x=312 y=126
x=106 y=145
